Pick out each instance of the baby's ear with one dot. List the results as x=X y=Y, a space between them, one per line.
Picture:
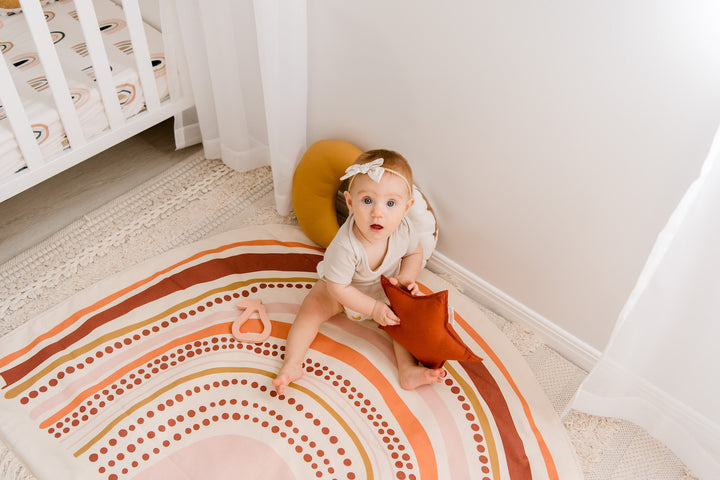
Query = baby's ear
x=348 y=199
x=410 y=203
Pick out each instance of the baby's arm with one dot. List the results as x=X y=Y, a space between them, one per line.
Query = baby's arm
x=354 y=299
x=410 y=267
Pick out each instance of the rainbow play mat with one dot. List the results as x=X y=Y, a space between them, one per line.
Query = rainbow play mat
x=139 y=377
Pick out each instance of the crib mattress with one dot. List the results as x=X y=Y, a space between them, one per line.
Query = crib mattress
x=29 y=77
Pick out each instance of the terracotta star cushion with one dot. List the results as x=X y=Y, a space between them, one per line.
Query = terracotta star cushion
x=425 y=327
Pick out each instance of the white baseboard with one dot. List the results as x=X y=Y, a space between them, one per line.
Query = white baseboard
x=187 y=135
x=566 y=344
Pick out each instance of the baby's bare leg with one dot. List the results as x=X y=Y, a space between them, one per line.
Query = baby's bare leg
x=411 y=374
x=316 y=309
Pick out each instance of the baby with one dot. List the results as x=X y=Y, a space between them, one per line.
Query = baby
x=376 y=239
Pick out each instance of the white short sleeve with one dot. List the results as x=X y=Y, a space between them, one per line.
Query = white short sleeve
x=341 y=261
x=339 y=264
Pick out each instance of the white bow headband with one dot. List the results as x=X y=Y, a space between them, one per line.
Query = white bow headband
x=374 y=170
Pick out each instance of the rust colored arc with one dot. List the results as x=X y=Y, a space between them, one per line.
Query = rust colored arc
x=203 y=272
x=517 y=461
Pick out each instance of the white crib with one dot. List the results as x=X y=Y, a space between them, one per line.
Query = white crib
x=88 y=87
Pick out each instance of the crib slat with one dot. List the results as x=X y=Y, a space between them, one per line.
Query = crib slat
x=101 y=66
x=18 y=119
x=53 y=71
x=141 y=53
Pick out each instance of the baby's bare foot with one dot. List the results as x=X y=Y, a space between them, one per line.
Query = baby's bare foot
x=285 y=376
x=418 y=375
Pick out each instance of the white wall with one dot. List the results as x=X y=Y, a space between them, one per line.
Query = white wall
x=554 y=137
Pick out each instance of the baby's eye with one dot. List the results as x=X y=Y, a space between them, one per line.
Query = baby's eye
x=367 y=200
x=391 y=203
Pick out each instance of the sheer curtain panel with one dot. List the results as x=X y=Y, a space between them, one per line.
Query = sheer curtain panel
x=660 y=369
x=248 y=72
x=282 y=45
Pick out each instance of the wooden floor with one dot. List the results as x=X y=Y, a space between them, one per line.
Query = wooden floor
x=35 y=214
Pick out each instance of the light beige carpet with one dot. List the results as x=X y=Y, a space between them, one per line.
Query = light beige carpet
x=200 y=198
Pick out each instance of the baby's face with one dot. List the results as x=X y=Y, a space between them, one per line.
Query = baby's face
x=378 y=207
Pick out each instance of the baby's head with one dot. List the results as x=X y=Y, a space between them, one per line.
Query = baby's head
x=391 y=160
x=379 y=193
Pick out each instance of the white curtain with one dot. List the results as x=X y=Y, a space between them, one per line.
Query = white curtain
x=282 y=44
x=247 y=63
x=661 y=368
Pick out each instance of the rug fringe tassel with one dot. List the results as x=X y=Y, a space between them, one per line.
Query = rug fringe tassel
x=10 y=466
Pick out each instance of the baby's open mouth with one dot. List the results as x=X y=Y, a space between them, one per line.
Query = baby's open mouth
x=376 y=227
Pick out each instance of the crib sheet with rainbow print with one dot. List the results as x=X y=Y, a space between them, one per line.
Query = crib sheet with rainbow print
x=28 y=75
x=140 y=377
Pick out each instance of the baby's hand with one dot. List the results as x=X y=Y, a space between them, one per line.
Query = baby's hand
x=411 y=287
x=383 y=314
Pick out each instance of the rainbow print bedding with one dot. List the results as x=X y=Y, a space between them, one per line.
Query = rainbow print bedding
x=139 y=377
x=29 y=77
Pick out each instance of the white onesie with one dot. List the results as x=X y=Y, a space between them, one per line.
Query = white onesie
x=346 y=262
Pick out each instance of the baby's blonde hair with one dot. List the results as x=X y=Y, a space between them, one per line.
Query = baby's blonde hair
x=392 y=161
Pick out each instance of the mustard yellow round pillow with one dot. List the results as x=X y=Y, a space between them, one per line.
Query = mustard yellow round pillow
x=315 y=186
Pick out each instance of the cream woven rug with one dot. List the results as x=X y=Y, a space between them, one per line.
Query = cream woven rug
x=198 y=199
